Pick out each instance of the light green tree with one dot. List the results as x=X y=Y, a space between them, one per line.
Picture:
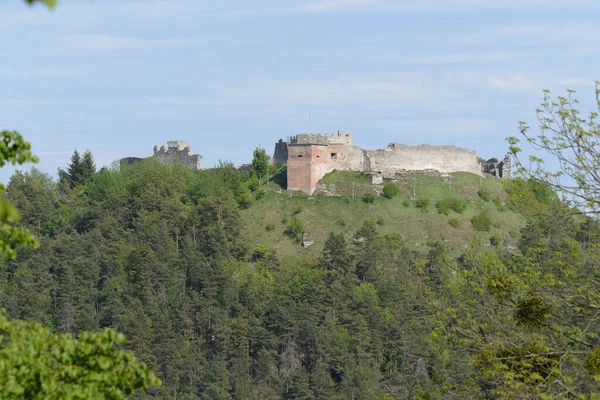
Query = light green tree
x=570 y=139
x=260 y=162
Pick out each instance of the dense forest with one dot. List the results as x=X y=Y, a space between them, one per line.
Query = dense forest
x=156 y=252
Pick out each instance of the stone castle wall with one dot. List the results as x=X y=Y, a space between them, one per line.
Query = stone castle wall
x=310 y=157
x=281 y=152
x=399 y=157
x=178 y=151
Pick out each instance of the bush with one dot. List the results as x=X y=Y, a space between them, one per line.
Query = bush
x=299 y=209
x=253 y=183
x=369 y=198
x=484 y=194
x=296 y=229
x=390 y=190
x=452 y=203
x=499 y=203
x=422 y=204
x=513 y=234
x=496 y=225
x=342 y=222
x=259 y=194
x=380 y=221
x=270 y=226
x=260 y=251
x=495 y=239
x=406 y=203
x=454 y=222
x=482 y=222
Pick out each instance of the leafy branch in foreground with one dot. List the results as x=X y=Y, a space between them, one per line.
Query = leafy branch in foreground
x=14 y=150
x=36 y=364
x=574 y=141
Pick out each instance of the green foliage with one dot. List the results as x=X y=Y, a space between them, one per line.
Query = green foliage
x=35 y=364
x=531 y=311
x=390 y=190
x=295 y=228
x=369 y=198
x=454 y=222
x=270 y=226
x=13 y=150
x=571 y=141
x=260 y=162
x=495 y=239
x=482 y=222
x=80 y=170
x=49 y=3
x=422 y=203
x=484 y=194
x=259 y=194
x=380 y=221
x=451 y=203
x=498 y=203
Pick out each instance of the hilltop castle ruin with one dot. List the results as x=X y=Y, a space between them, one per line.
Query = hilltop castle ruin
x=310 y=157
x=178 y=151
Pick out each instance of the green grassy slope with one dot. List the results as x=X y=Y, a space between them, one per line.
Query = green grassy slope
x=265 y=222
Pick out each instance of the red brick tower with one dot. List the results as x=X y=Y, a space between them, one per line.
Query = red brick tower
x=307 y=162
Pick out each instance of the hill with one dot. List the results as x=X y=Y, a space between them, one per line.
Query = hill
x=266 y=222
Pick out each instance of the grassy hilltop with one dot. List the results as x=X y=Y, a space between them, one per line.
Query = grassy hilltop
x=267 y=220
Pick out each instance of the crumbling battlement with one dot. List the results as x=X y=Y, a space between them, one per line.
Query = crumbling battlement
x=311 y=156
x=178 y=151
x=322 y=139
x=500 y=169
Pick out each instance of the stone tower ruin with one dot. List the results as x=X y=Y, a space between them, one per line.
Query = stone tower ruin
x=178 y=151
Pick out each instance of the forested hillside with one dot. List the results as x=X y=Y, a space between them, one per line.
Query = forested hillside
x=158 y=253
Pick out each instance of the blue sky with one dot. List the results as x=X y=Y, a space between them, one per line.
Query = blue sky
x=119 y=76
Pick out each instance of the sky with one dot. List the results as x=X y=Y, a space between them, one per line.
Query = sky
x=120 y=76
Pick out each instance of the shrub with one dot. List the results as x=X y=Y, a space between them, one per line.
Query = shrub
x=513 y=234
x=380 y=221
x=342 y=222
x=296 y=229
x=390 y=190
x=499 y=203
x=482 y=222
x=369 y=198
x=495 y=239
x=452 y=203
x=270 y=226
x=422 y=204
x=458 y=205
x=484 y=194
x=406 y=203
x=299 y=209
x=253 y=183
x=260 y=251
x=259 y=194
x=454 y=222
x=496 y=225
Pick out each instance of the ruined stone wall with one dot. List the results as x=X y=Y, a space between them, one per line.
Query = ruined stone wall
x=311 y=156
x=281 y=152
x=177 y=152
x=444 y=159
